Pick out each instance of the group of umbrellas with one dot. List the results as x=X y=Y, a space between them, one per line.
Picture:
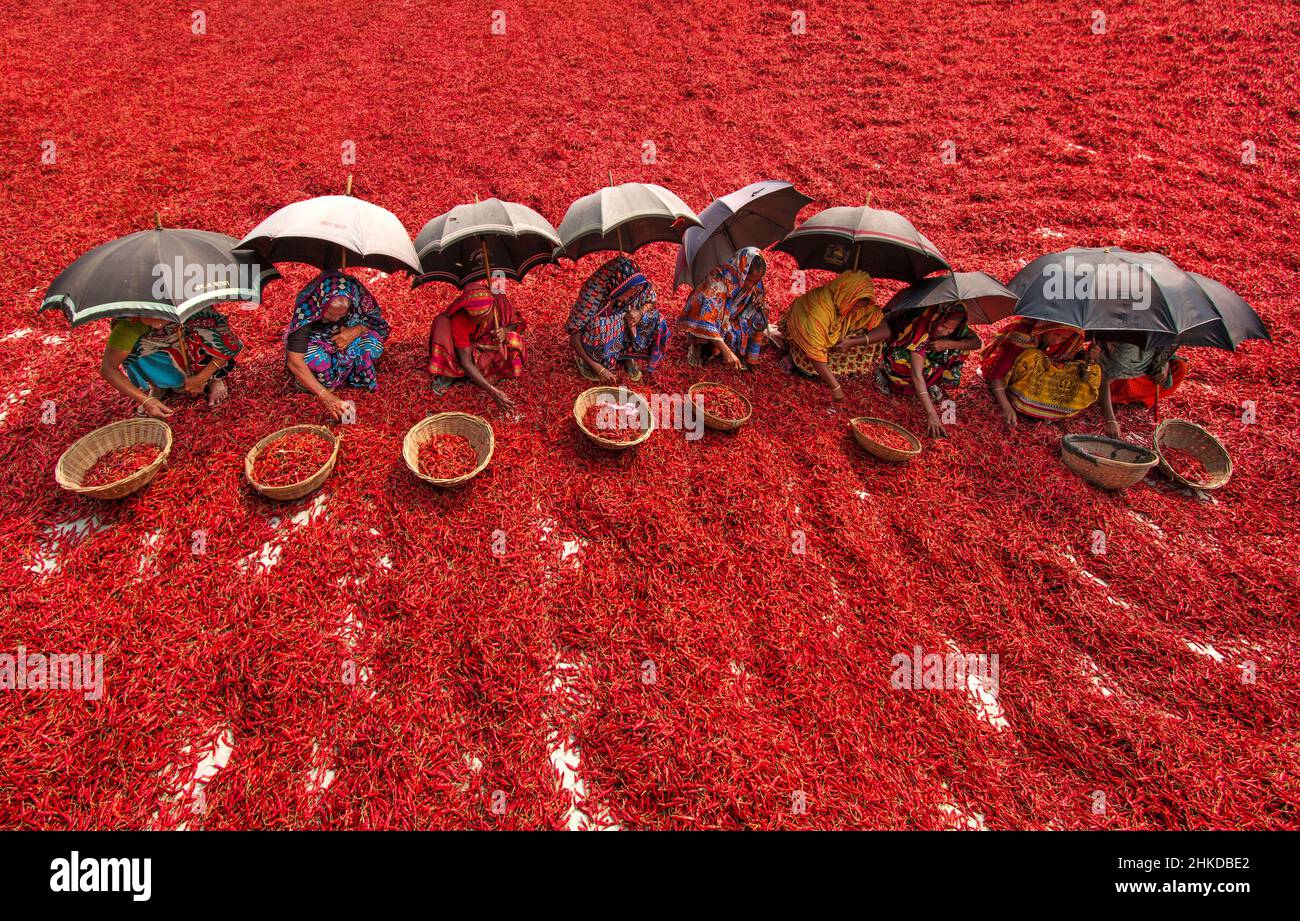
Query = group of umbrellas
x=493 y=238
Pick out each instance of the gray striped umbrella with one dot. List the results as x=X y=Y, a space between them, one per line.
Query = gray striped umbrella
x=881 y=243
x=509 y=237
x=623 y=218
x=165 y=273
x=333 y=231
x=986 y=300
x=757 y=215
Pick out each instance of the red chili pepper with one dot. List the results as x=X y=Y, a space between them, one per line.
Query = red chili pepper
x=119 y=464
x=445 y=456
x=291 y=459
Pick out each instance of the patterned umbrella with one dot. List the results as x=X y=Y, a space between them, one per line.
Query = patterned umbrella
x=474 y=241
x=758 y=215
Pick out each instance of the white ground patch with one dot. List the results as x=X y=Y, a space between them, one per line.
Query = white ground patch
x=960 y=819
x=1205 y=650
x=268 y=554
x=1095 y=677
x=62 y=535
x=185 y=785
x=11 y=401
x=984 y=696
x=1094 y=579
x=565 y=754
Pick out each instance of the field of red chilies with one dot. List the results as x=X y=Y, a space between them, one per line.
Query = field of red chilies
x=581 y=638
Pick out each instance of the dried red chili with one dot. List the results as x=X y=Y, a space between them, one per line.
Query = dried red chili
x=722 y=402
x=612 y=423
x=445 y=456
x=119 y=464
x=291 y=459
x=1185 y=464
x=884 y=435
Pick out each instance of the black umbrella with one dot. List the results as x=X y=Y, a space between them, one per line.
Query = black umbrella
x=757 y=215
x=165 y=273
x=1235 y=323
x=880 y=243
x=1136 y=297
x=986 y=300
x=475 y=241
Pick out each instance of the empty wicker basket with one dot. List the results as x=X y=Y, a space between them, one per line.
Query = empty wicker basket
x=717 y=423
x=474 y=429
x=1181 y=435
x=85 y=451
x=1106 y=462
x=883 y=451
x=589 y=398
x=304 y=486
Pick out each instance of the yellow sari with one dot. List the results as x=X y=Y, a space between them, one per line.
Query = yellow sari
x=818 y=320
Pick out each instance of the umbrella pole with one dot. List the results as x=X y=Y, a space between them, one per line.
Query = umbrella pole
x=185 y=359
x=343 y=260
x=487 y=270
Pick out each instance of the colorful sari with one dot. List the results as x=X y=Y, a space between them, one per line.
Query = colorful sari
x=1022 y=334
x=816 y=322
x=599 y=316
x=470 y=312
x=941 y=368
x=1043 y=380
x=1139 y=375
x=156 y=358
x=334 y=367
x=718 y=311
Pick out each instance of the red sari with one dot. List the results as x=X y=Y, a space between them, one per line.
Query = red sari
x=471 y=321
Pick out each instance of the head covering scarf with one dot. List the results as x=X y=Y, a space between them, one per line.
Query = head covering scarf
x=821 y=318
x=1026 y=333
x=612 y=290
x=475 y=299
x=941 y=367
x=718 y=304
x=363 y=309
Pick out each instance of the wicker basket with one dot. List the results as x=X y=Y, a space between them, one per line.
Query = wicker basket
x=885 y=452
x=477 y=431
x=1106 y=462
x=302 y=487
x=1182 y=435
x=717 y=423
x=587 y=398
x=85 y=451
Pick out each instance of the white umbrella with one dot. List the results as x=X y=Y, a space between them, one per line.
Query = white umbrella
x=623 y=218
x=333 y=231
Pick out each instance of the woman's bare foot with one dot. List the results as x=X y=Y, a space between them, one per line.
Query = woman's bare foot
x=693 y=355
x=217 y=392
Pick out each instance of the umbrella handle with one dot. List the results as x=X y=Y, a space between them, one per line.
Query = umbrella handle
x=487 y=270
